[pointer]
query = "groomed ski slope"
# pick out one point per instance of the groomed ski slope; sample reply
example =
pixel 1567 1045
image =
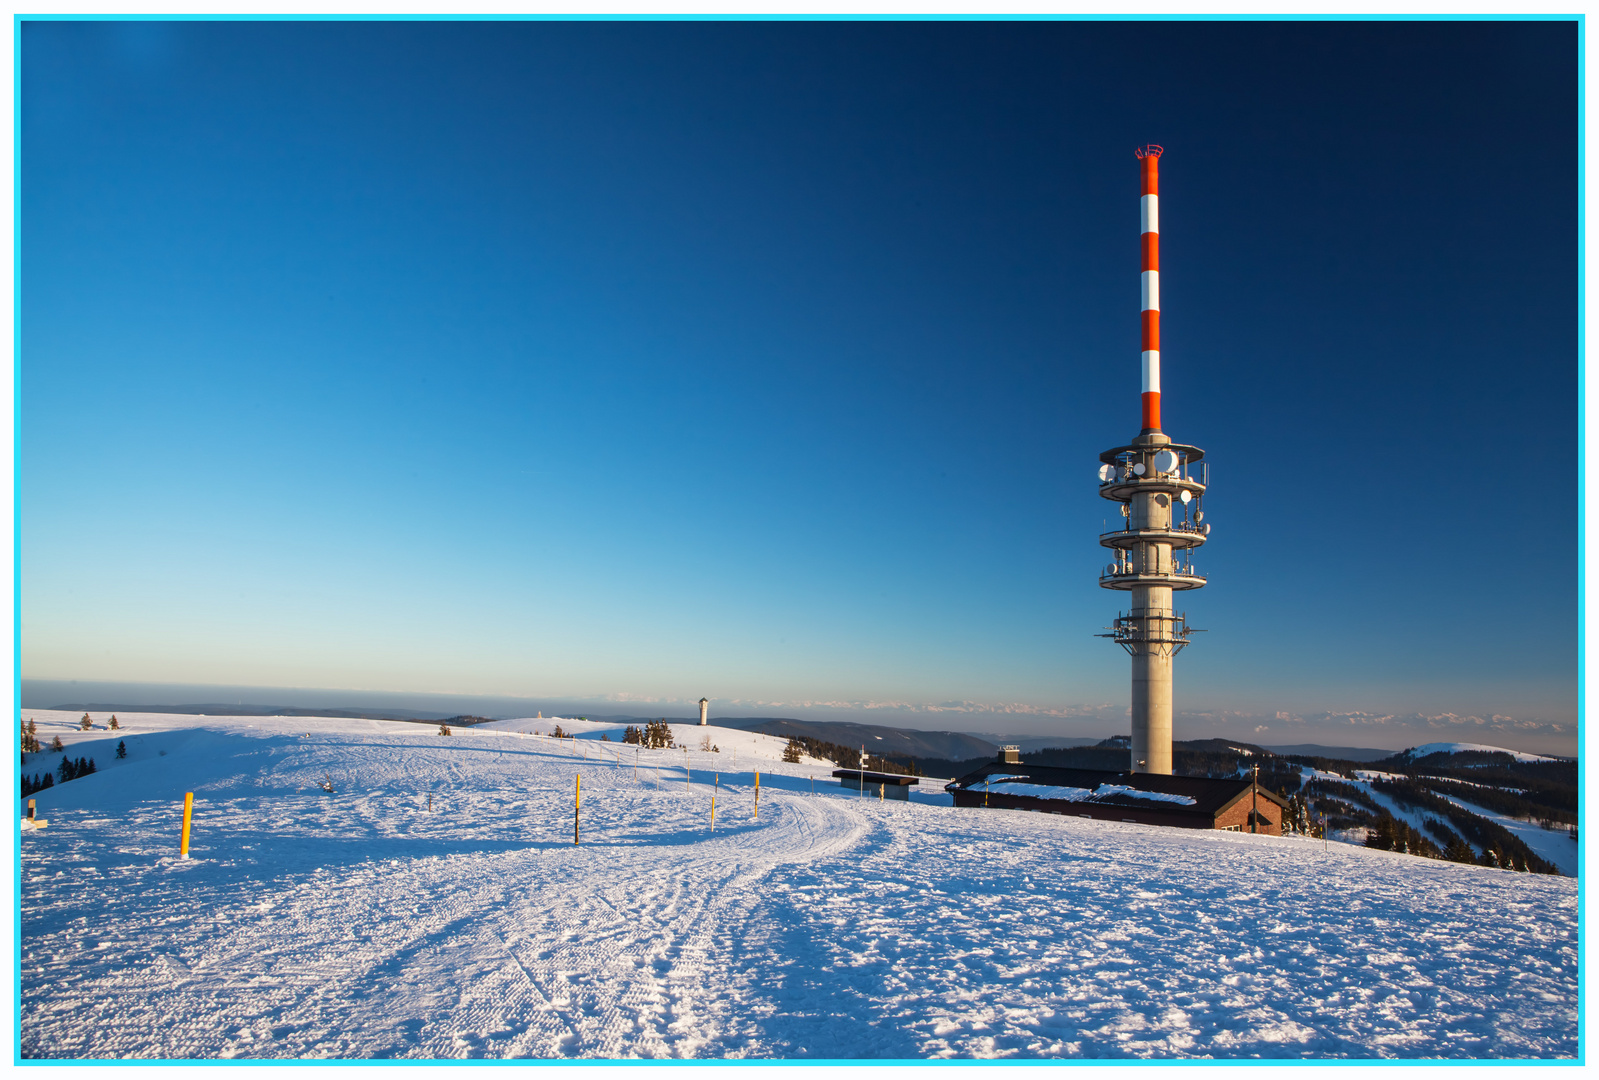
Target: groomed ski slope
pixel 359 925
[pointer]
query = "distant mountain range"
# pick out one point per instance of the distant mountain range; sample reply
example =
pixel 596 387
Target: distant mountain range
pixel 886 741
pixel 230 709
pixel 1342 753
pixel 952 746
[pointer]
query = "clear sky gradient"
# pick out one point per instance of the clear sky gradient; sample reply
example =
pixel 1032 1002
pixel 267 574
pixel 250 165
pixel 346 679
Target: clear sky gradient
pixel 770 362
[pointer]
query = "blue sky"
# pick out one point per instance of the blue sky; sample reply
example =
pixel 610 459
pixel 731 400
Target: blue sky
pixel 635 362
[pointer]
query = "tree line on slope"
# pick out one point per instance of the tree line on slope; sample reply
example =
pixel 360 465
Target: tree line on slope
pixel 1500 847
pixel 849 757
pixel 1538 785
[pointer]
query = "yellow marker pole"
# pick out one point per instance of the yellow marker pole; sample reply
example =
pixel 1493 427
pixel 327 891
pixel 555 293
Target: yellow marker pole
pixel 188 812
pixel 757 793
pixel 880 788
pixel 577 808
pixel 30 809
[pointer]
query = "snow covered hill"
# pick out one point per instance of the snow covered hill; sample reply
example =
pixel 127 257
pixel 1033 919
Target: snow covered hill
pixel 361 924
pixel 1428 749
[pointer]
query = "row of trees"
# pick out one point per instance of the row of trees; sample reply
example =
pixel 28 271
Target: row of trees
pixel 72 768
pixel 31 744
pixel 655 735
pixel 848 757
pixel 1391 834
pixel 1500 847
pixel 1510 802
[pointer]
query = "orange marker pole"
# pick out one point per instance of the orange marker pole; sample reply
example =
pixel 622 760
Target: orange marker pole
pixel 188 813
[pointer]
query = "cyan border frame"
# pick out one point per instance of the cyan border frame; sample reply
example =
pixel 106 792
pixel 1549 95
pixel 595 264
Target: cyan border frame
pixel 1582 481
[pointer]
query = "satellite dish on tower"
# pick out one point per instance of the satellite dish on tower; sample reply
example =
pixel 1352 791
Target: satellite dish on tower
pixel 1107 473
pixel 1165 461
pixel 1138 468
pixel 1187 497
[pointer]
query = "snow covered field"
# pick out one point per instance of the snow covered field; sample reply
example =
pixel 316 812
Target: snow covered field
pixel 360 925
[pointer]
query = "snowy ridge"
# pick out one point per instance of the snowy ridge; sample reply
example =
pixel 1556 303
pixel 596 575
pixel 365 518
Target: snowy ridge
pixel 832 925
pixel 1470 748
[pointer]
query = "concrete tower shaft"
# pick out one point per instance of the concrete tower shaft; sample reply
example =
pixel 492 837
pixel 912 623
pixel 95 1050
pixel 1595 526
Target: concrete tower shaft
pixel 1160 486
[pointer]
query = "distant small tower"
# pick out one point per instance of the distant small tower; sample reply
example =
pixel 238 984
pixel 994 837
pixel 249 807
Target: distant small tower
pixel 703 703
pixel 1161 487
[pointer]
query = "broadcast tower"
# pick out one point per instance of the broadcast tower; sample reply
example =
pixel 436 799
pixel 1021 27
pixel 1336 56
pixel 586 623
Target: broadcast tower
pixel 1161 493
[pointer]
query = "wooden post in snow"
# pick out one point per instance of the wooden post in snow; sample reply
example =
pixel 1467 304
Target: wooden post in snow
pixel 188 813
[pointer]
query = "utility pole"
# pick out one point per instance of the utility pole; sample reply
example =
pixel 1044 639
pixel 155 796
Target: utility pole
pixel 1254 801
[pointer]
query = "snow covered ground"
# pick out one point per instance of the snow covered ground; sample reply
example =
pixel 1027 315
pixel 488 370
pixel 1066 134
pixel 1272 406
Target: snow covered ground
pixel 833 925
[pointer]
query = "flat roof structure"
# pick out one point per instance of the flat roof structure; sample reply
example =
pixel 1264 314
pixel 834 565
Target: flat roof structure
pixel 886 785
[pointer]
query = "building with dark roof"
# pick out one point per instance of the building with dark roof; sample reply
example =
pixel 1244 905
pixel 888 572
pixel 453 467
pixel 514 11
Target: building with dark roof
pixel 882 785
pixel 1182 802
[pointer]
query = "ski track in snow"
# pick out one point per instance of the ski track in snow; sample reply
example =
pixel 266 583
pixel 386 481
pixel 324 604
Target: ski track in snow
pixel 358 925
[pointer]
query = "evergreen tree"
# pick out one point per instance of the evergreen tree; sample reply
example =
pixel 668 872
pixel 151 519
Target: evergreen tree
pixel 57 745
pixel 1382 837
pixel 85 723
pixel 122 749
pixel 444 729
pixel 791 752
pixel 632 736
pixel 114 724
pixel 86 767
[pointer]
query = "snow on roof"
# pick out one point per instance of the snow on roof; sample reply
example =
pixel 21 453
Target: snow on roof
pixel 1470 748
pixel 1015 785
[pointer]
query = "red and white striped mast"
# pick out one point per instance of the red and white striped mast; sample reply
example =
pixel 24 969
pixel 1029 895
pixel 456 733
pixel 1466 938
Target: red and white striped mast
pixel 1149 243
pixel 1161 493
